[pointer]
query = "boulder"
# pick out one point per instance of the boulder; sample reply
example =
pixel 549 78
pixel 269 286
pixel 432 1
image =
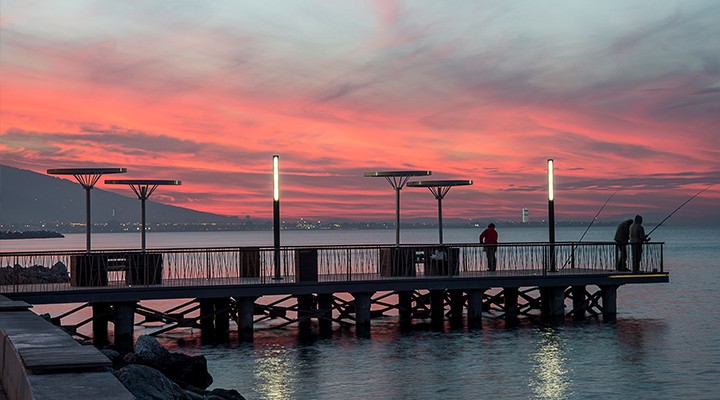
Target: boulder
pixel 181 368
pixel 224 394
pixel 149 384
pixel 149 351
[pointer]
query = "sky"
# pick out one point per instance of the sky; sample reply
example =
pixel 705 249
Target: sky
pixel 624 96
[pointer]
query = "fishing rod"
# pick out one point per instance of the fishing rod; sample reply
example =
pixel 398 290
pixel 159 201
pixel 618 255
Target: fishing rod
pixel 596 215
pixel 679 207
pixel 591 223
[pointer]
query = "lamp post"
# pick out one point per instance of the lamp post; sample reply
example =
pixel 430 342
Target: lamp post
pixel 276 213
pixel 143 189
pixel 551 210
pixel 439 189
pixel 397 180
pixel 87 177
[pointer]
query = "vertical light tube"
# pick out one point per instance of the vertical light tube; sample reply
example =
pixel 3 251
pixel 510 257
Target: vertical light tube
pixel 276 213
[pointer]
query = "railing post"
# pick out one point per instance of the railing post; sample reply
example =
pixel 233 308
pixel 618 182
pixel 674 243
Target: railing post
pixel 349 265
pixel 572 256
pixel 662 259
pixel 207 263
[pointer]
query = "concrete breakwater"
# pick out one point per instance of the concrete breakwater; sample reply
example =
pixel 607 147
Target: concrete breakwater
pixel 39 360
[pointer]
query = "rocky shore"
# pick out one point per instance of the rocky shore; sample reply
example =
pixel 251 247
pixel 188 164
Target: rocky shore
pixel 152 372
pixel 9 235
pixel 17 274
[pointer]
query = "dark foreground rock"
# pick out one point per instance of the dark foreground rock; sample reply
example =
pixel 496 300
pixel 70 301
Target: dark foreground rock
pixel 149 384
pixel 154 373
pixel 181 368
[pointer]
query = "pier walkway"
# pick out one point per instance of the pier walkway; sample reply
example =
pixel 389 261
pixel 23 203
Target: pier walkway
pixel 346 285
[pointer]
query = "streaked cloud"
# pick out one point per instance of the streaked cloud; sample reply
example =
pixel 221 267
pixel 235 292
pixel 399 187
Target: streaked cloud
pixel 623 96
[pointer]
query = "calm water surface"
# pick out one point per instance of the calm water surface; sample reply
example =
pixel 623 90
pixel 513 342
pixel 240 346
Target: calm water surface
pixel 664 343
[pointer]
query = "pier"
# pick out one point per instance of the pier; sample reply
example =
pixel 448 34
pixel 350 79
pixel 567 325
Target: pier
pixel 324 287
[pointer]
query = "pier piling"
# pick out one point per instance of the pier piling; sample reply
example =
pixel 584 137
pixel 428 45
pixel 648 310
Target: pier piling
pixel 579 302
pixel 124 321
pixel 245 309
pixel 362 313
pixel 475 307
pixel 609 301
pixel 511 305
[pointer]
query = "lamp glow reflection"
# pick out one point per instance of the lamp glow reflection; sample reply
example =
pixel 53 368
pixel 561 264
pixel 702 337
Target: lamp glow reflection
pixel 276 213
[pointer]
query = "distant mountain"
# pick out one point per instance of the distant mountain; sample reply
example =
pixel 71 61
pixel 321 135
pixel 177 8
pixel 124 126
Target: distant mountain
pixel 30 198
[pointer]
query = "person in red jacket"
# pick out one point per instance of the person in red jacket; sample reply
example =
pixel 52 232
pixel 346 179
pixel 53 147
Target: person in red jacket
pixel 489 238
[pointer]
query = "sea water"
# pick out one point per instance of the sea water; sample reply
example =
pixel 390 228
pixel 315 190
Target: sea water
pixel 663 344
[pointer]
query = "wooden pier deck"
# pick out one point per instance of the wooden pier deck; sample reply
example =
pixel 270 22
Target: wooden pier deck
pixel 423 281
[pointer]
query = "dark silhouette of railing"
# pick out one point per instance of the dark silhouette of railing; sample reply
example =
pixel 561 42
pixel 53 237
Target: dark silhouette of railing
pixel 67 270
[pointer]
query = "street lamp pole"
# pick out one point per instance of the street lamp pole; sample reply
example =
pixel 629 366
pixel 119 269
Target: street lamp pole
pixel 276 213
pixel 551 210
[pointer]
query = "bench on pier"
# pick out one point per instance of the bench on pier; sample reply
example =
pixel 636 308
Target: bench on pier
pixel 436 260
pixel 140 268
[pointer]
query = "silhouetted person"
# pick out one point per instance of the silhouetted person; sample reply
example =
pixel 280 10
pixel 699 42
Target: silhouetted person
pixel 489 238
pixel 622 236
pixel 637 238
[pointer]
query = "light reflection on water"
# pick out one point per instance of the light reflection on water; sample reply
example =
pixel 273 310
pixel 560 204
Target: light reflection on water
pixel 550 379
pixel 591 359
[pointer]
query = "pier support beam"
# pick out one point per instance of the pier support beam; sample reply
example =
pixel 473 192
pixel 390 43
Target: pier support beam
pixel 437 310
pixel 553 302
pixel 457 304
pixel 325 308
pixel 222 319
pixel 579 302
pixel 215 319
pixel 102 314
pixel 245 312
pixel 207 319
pixel 124 325
pixel 305 311
pixel 609 301
pixel 362 313
pixel 405 308
pixel 475 307
pixel 511 305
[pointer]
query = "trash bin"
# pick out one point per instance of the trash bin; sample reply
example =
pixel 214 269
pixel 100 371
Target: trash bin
pixel 88 270
pixel 144 268
pixel 306 265
pixel 249 262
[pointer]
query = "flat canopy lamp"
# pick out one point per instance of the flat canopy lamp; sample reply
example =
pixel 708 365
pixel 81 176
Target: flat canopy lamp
pixel 397 180
pixel 87 177
pixel 143 188
pixel 439 189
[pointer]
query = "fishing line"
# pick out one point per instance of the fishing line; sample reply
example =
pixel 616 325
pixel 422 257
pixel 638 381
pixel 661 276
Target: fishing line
pixel 679 207
pixel 591 224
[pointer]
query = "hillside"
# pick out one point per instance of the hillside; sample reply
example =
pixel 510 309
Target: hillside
pixel 32 198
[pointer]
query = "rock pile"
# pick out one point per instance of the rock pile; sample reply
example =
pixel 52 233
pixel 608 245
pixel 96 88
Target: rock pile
pixel 18 274
pixel 153 372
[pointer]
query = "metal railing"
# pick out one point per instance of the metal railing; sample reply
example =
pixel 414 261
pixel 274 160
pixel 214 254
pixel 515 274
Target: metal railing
pixel 55 271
